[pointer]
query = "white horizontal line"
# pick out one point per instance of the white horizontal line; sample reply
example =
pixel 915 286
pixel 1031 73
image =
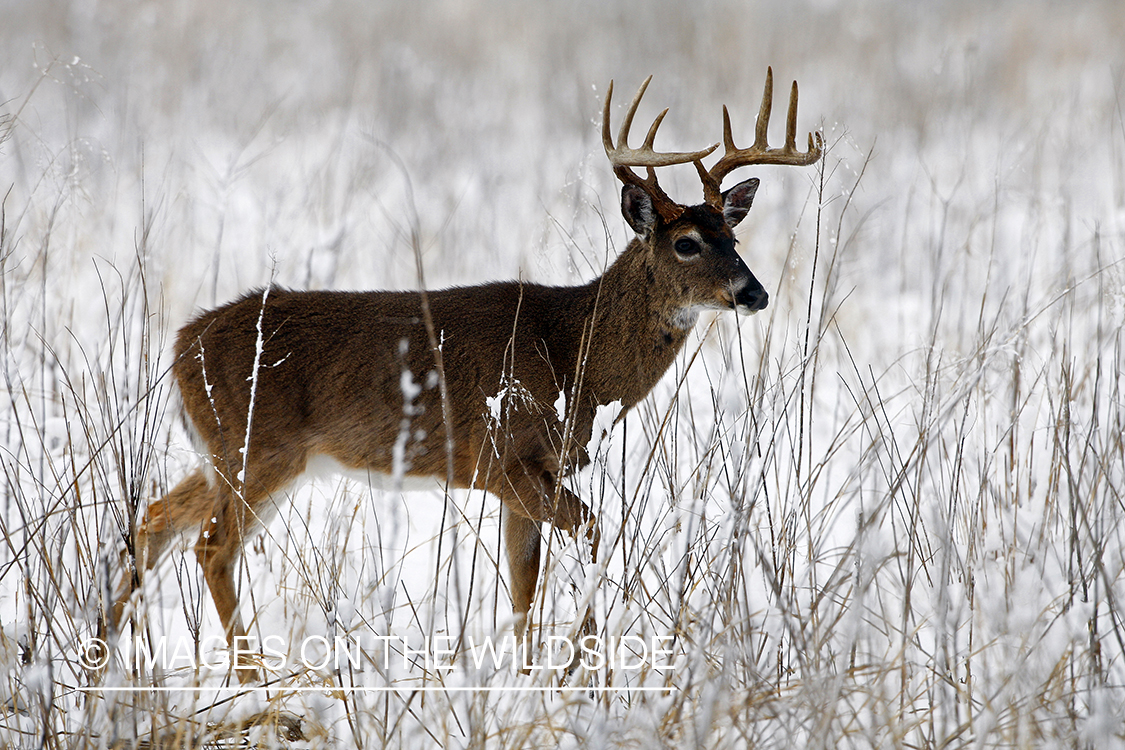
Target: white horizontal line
pixel 384 689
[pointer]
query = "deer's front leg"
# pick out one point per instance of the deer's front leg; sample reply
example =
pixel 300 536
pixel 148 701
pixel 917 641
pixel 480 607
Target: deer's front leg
pixel 574 516
pixel 532 498
pixel 533 493
pixel 523 541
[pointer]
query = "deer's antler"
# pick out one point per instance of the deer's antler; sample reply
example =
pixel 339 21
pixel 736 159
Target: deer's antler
pixel 623 158
pixel 760 152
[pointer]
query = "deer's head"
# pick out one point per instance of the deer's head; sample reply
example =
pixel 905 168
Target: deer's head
pixel 692 248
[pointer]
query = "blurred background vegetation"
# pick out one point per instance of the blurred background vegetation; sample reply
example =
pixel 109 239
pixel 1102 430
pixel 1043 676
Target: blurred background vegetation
pixel 924 429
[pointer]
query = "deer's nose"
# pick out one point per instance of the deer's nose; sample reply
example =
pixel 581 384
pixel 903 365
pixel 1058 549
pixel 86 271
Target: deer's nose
pixel 751 297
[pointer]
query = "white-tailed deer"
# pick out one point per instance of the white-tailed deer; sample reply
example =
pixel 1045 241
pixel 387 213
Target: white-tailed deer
pixel 399 382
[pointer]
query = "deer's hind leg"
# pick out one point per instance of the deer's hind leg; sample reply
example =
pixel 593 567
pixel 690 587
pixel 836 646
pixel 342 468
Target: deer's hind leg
pixel 223 534
pixel 217 550
pixel 182 509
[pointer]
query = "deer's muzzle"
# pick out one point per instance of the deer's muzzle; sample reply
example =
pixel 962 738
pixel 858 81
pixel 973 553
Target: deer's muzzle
pixel 751 298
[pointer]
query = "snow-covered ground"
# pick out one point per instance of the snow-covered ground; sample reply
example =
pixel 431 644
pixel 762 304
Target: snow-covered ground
pixel 885 512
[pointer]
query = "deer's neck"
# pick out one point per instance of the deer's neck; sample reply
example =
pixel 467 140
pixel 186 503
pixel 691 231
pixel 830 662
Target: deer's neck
pixel 637 329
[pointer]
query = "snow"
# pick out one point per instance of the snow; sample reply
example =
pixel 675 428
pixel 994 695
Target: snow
pixel 882 512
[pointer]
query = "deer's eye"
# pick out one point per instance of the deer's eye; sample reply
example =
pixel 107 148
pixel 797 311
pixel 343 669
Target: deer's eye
pixel 686 246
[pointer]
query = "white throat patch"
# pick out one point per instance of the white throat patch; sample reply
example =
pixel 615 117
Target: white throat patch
pixel 684 318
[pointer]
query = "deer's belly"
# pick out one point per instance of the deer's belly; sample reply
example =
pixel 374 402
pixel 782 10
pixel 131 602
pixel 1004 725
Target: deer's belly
pixel 321 466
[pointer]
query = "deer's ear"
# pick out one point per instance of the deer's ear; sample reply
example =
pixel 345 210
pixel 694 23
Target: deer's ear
pixel 638 210
pixel 737 200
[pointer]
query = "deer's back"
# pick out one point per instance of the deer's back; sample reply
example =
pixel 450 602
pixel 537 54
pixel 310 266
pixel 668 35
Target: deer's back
pixel 349 374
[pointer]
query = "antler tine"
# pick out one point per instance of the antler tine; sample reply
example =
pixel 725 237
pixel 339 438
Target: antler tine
pixel 607 139
pixel 627 123
pixel 728 139
pixel 651 136
pixel 791 121
pixel 761 125
pixel 760 152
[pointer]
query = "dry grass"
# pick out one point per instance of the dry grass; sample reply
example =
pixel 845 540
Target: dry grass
pixel 885 513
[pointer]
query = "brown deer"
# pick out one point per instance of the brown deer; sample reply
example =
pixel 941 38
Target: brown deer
pixel 399 383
